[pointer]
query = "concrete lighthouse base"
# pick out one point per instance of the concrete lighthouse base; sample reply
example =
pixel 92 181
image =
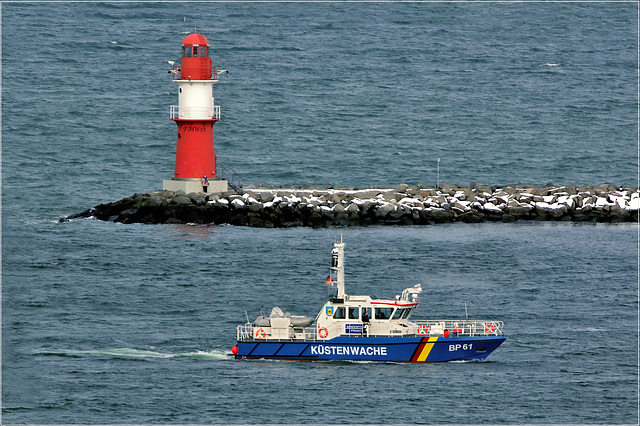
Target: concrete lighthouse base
pixel 194 185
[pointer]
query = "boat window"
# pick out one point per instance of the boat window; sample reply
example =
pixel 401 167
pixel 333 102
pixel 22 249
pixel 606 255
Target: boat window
pixel 383 313
pixel 188 49
pixel 399 313
pixel 406 313
pixel 195 51
pixel 368 311
pixel 354 313
pixel 340 313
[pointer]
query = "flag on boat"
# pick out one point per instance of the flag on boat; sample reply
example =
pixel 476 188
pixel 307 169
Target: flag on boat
pixel 329 280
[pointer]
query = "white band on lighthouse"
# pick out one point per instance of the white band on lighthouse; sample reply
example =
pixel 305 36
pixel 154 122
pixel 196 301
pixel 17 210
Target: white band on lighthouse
pixel 195 100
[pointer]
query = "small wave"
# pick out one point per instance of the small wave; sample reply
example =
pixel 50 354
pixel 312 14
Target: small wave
pixel 136 353
pixel 552 65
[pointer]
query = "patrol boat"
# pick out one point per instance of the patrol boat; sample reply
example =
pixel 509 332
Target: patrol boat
pixel 359 328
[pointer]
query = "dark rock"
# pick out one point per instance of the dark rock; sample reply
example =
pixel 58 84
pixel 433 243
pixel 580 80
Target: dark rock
pixel 182 200
pixel 198 200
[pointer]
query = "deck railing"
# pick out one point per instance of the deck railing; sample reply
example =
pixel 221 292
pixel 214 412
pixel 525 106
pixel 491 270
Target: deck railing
pixel 424 328
pixel 467 327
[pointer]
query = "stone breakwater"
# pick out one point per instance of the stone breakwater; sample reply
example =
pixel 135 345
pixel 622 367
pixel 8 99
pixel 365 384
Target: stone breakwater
pixel 402 205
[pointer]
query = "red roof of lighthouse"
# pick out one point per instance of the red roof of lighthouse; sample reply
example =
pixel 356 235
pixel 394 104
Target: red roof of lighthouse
pixel 198 39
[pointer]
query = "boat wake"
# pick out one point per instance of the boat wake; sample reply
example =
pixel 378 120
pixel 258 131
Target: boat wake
pixel 136 353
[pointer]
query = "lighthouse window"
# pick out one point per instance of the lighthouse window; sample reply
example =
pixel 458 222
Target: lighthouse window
pixel 340 313
pixel 182 51
pixel 188 48
pixel 354 313
pixel 195 51
pixel 383 313
pixel 203 52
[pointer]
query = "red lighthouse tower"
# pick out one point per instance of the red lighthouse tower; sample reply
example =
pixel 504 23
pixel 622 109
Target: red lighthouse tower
pixel 195 115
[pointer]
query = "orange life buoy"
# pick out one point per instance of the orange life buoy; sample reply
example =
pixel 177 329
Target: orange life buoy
pixel 260 334
pixel 490 328
pixel 323 332
pixel 423 329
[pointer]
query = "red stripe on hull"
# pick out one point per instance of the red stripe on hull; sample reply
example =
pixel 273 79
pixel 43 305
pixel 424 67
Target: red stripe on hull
pixel 418 351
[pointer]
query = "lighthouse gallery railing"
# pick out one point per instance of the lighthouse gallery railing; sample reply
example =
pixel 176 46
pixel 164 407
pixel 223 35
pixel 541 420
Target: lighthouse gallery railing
pixel 194 113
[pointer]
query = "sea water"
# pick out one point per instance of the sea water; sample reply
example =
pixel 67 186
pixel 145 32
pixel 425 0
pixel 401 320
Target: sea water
pixel 112 323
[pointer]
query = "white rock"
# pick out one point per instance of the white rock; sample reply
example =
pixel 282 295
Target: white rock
pixel 410 202
pixel 505 198
pixel 490 207
pixel 566 200
pixel 352 208
pixel 542 205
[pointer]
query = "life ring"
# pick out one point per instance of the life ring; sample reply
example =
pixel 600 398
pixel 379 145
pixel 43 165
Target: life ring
pixel 260 334
pixel 490 328
pixel 423 329
pixel 323 332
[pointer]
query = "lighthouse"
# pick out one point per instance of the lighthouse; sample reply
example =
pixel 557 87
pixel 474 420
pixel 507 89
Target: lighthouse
pixel 195 115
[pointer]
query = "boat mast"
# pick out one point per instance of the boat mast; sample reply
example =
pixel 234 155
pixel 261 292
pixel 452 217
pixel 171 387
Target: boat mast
pixel 337 266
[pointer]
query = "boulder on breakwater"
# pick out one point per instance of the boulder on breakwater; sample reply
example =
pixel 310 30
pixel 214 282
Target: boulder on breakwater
pixel 402 205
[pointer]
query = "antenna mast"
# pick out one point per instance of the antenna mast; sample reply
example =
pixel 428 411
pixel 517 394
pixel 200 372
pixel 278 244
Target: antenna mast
pixel 337 266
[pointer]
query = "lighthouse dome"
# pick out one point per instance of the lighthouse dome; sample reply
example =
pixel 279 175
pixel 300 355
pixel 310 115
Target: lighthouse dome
pixel 195 58
pixel 198 39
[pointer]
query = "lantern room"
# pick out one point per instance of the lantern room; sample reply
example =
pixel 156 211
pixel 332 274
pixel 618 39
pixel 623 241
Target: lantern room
pixel 195 61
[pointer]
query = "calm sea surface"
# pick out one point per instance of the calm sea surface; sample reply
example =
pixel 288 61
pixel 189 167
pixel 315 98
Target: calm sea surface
pixel 112 323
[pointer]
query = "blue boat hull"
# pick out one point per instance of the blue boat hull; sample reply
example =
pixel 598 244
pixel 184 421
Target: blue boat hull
pixel 389 349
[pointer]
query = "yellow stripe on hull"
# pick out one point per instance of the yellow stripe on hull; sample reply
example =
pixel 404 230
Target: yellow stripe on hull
pixel 427 348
